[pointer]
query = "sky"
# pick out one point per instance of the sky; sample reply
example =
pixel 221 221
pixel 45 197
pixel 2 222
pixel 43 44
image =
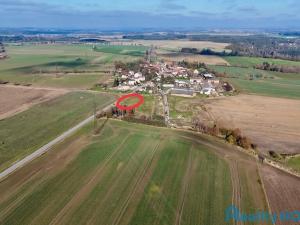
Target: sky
pixel 151 14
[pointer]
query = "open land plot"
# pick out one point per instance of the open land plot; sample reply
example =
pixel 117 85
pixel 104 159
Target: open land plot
pixel 272 123
pixel 131 50
pixel 294 162
pixel 14 99
pixel 41 64
pixel 253 61
pixel 148 108
pixel 263 82
pixel 178 57
pixel 178 44
pixel 130 174
pixel 25 132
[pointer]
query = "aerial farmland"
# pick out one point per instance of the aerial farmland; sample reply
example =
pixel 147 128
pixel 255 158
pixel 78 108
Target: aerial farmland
pixel 212 131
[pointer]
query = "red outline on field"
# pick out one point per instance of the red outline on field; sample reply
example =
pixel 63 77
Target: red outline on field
pixel 130 107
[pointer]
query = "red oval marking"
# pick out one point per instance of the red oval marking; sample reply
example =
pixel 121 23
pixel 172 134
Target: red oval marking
pixel 122 107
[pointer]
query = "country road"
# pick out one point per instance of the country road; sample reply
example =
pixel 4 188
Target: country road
pixel 47 147
pixel 166 107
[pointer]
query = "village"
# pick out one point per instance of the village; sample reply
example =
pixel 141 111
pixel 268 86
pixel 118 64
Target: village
pixel 169 77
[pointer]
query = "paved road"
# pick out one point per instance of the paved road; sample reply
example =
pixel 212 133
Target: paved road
pixel 46 147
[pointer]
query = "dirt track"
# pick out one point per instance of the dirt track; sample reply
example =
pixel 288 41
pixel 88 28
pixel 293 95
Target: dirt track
pixel 283 191
pixel 17 99
pixel 272 123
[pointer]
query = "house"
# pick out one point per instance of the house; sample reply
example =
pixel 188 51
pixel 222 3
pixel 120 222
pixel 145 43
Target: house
pixel 183 91
pixel 196 72
pixel 208 76
pixel 140 79
pixel 181 83
pixel 131 82
pixel 150 84
pixel 196 80
pixel 123 88
pixel 138 75
pixel 207 91
pixel 215 81
pixel 123 77
pixel 168 85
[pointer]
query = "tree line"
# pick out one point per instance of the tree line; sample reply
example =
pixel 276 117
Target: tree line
pixel 278 68
pixel 2 51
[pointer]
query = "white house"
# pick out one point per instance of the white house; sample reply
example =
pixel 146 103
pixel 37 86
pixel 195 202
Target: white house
pixel 168 85
pixel 138 75
pixel 141 79
pixel 207 91
pixel 208 75
pixel 131 82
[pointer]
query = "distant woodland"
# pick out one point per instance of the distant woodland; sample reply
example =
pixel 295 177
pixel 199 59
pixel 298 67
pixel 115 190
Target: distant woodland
pixel 248 45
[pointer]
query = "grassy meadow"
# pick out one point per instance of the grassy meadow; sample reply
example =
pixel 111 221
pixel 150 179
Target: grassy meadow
pixel 294 163
pixel 250 80
pixel 131 50
pixel 27 131
pixel 70 66
pixel 253 61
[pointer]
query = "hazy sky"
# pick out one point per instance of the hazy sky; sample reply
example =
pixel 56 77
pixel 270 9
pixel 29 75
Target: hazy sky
pixel 130 14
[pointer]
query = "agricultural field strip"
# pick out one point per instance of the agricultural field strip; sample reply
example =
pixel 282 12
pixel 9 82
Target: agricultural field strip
pixel 185 184
pixel 136 185
pixel 134 171
pixel 32 178
pixel 114 186
pixel 46 147
pixel 236 187
pixel 233 164
pixel 90 184
pixel 19 200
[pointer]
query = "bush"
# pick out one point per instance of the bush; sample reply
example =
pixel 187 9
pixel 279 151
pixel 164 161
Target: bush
pixel 274 155
pixel 243 142
pixel 144 121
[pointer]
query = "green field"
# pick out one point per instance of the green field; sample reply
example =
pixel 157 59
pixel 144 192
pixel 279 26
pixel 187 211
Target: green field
pixel 253 61
pixel 128 174
pixel 134 183
pixel 57 65
pixel 131 50
pixel 26 131
pixel 147 108
pixel 175 103
pixel 294 163
pixel 264 82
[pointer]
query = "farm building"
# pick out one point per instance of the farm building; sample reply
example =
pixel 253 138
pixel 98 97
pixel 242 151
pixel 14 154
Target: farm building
pixel 207 91
pixel 183 92
pixel 208 76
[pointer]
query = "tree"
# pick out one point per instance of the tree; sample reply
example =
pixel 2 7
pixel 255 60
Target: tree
pixel 116 82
